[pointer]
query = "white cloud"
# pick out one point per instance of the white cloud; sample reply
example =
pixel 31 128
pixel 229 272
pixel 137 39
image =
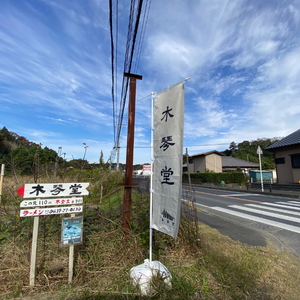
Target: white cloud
pixel 242 57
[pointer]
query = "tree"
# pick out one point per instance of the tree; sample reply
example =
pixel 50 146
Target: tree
pixel 238 169
pixel 7 134
pixel 101 161
pixel 233 146
pixel 2 143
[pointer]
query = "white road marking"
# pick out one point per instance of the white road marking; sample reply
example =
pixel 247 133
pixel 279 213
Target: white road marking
pixel 258 219
pixel 291 204
pixel 280 205
pixel 296 202
pixel 269 214
pixel 276 209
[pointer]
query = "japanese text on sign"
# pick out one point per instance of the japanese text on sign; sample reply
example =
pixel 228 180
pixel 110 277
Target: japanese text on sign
pixel 53 190
pixel 50 211
pixel 167 165
pixel 50 202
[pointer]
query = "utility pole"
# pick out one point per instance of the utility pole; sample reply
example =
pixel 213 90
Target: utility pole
pixel 129 154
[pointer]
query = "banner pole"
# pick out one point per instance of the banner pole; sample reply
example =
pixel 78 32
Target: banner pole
pixel 151 180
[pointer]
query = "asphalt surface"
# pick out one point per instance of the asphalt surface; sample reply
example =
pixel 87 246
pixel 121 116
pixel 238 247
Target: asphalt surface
pixel 251 218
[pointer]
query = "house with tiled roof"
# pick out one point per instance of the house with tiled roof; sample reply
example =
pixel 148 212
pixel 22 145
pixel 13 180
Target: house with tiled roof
pixel 230 163
pixel 205 162
pixel 287 158
pixel 214 161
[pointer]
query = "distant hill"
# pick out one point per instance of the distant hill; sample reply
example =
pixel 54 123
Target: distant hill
pixel 22 156
pixel 248 151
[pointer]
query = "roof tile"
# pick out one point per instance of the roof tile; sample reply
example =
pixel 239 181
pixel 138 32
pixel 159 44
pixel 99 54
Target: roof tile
pixel 290 140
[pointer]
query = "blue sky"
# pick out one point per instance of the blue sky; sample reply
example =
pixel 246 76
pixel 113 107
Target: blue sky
pixel 243 58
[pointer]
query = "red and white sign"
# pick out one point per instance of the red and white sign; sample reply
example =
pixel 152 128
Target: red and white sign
pixel 41 190
pixel 51 202
pixel 146 169
pixel 50 211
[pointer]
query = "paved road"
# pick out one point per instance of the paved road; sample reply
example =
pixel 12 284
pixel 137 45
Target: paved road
pixel 251 218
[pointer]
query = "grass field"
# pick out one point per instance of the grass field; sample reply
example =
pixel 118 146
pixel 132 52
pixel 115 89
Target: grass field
pixel 218 268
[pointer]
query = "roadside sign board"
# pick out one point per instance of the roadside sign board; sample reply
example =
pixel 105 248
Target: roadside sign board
pixel 50 211
pixel 51 202
pixel 39 194
pixel 146 169
pixel 71 231
pixel 38 190
pixel 259 151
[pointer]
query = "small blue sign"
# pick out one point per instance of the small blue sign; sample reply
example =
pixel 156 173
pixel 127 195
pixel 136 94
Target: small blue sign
pixel 71 232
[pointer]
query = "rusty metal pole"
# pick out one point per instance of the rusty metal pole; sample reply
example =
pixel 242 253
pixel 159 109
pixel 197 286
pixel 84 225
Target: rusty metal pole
pixel 129 155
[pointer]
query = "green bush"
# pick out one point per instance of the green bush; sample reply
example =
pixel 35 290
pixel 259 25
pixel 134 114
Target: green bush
pixel 209 177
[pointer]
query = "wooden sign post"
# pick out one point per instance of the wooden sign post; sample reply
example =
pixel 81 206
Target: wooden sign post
pixel 34 250
pixel 72 190
pixel 71 259
pixel 1 181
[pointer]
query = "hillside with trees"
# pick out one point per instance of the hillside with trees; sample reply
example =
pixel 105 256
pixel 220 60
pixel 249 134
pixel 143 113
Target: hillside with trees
pixel 22 157
pixel 247 150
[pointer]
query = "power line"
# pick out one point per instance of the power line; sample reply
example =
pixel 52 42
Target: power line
pixel 128 58
pixel 142 34
pixel 116 68
pixel 112 62
pixel 135 15
pixel 186 146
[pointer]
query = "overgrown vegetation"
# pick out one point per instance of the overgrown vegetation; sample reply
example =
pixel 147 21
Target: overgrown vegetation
pixel 219 268
pixel 22 157
pixel 211 177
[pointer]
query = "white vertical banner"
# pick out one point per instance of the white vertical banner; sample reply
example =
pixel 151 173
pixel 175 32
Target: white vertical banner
pixel 167 166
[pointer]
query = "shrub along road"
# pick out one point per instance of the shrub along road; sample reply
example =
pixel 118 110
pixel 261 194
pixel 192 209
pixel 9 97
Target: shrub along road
pixel 251 218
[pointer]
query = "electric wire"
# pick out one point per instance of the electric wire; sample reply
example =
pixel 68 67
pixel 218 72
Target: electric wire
pixel 125 79
pixel 128 58
pixel 186 146
pixel 134 45
pixel 116 59
pixel 142 35
pixel 112 62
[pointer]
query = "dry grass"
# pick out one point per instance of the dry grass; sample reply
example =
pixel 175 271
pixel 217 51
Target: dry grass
pixel 244 272
pixel 220 269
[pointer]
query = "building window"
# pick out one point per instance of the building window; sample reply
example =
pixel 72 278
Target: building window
pixel 279 160
pixel 296 160
pixel 190 160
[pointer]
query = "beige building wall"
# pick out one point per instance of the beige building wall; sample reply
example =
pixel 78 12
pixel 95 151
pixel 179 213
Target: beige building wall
pixel 199 163
pixel 296 174
pixel 214 163
pixel 285 172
